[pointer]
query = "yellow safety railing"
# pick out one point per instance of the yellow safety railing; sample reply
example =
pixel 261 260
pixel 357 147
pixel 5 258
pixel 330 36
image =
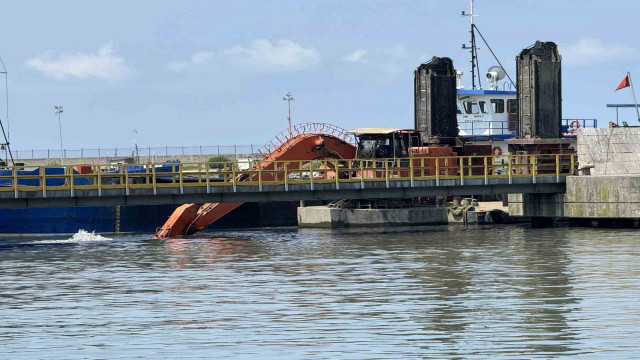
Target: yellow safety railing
pixel 290 172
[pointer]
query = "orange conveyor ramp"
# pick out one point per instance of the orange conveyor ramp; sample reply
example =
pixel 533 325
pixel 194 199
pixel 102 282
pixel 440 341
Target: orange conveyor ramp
pixel 190 218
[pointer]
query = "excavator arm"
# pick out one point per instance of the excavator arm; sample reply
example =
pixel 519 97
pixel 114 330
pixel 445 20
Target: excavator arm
pixel 190 218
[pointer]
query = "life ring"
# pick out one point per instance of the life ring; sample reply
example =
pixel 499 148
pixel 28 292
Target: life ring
pixel 496 151
pixel 575 125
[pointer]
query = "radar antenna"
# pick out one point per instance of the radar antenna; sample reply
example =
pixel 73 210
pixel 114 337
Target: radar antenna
pixel 495 74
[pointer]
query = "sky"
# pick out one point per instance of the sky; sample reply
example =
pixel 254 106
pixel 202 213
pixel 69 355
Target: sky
pixel 215 72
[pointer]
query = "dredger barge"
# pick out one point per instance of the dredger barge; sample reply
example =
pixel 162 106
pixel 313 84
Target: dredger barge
pixel 433 147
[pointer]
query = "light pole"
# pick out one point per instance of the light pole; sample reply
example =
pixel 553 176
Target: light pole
pixel 59 111
pixel 288 99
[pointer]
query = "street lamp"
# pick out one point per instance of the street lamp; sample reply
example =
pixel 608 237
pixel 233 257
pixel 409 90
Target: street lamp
pixel 58 111
pixel 288 99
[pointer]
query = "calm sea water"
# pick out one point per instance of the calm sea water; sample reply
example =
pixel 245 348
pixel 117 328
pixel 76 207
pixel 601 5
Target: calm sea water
pixel 437 292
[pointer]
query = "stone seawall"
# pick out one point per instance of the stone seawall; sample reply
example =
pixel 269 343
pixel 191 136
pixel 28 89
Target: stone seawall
pixel 613 151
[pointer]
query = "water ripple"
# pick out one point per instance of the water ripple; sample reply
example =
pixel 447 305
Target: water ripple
pixel 437 292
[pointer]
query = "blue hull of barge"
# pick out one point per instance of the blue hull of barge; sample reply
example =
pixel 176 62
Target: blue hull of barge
pixel 142 219
pixel 71 219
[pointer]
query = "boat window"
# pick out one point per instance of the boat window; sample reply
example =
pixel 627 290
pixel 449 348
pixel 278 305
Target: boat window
pixel 512 105
pixel 471 107
pixel 497 105
pixel 483 107
pixel 460 108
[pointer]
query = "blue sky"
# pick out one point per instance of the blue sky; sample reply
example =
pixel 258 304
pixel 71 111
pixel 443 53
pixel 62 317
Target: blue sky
pixel 214 72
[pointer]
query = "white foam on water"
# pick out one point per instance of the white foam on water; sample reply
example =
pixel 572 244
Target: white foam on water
pixel 82 236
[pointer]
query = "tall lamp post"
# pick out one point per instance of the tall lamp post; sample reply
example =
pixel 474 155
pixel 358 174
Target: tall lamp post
pixel 288 99
pixel 58 111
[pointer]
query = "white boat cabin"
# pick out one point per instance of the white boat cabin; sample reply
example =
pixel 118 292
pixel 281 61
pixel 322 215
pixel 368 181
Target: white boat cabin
pixel 487 113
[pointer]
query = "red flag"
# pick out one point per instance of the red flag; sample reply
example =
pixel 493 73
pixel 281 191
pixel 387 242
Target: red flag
pixel 624 83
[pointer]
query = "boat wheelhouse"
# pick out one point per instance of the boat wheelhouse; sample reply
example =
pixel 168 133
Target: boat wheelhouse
pixel 487 114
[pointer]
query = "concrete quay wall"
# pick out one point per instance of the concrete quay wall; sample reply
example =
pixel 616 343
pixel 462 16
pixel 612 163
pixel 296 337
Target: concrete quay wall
pixel 602 197
pixel 586 197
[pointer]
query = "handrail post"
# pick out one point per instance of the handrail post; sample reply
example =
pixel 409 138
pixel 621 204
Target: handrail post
pixel 461 170
pixel 386 173
pixel 207 174
pixel 180 177
pixel 286 177
pixel 260 175
pixel 14 173
pixel 44 182
pixel 486 171
pixel 99 171
pixel 573 164
pixel 361 174
pixel 310 173
pixel 70 169
pixel 437 170
pixel 335 167
pixel 153 179
pixel 533 168
pixel 126 179
pixel 233 176
pixel 557 167
pixel 509 160
pixel 411 171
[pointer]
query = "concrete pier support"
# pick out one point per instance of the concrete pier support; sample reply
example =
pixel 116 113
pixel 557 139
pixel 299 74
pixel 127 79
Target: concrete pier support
pixel 611 201
pixel 536 205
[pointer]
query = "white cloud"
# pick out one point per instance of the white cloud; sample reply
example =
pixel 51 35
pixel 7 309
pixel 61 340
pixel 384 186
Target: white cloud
pixel 388 61
pixel 283 55
pixel 199 58
pixel 104 65
pixel 590 51
pixel 391 68
pixel 357 56
pixel 203 57
pixel 398 51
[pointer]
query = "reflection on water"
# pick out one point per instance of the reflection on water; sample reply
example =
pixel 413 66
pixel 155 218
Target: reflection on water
pixel 437 292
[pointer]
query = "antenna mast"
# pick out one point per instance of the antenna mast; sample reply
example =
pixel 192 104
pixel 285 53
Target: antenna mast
pixel 473 49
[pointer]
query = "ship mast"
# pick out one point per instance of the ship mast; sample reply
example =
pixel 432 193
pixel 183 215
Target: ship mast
pixel 473 49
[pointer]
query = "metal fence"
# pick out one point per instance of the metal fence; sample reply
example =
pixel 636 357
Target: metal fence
pixel 142 151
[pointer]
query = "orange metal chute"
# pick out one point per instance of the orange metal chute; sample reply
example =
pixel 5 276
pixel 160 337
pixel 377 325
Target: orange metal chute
pixel 190 218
